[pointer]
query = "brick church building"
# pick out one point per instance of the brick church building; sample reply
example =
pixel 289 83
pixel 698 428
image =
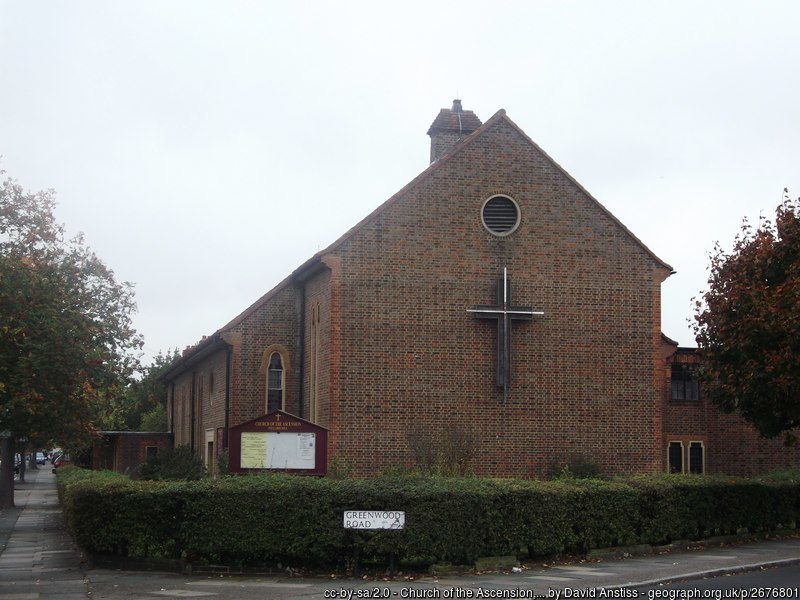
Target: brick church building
pixel 492 303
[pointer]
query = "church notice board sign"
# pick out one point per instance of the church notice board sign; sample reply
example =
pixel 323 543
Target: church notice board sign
pixel 278 441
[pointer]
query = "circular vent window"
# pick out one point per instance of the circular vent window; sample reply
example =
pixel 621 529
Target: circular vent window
pixel 500 215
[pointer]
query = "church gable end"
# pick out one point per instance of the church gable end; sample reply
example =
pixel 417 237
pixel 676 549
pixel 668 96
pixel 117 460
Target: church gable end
pixel 412 269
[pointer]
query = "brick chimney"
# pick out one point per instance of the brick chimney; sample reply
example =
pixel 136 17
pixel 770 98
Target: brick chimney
pixel 450 127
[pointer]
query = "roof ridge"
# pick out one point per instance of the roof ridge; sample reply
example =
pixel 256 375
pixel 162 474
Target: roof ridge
pixel 588 194
pixel 433 167
pixel 500 115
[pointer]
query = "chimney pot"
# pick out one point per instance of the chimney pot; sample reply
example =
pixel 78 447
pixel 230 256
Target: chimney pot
pixel 450 127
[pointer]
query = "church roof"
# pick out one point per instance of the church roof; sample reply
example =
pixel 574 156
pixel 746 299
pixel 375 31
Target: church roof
pixel 500 115
pixel 447 118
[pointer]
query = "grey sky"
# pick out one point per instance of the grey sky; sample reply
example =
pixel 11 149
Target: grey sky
pixel 206 149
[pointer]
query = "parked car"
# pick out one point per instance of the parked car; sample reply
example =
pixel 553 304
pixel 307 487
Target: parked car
pixel 40 458
pixel 61 459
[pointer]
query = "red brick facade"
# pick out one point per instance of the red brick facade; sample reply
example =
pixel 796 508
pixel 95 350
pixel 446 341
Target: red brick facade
pixel 377 344
pixel 730 445
pixel 123 451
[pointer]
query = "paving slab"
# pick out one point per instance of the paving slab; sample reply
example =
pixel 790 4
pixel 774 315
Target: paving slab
pixel 37 557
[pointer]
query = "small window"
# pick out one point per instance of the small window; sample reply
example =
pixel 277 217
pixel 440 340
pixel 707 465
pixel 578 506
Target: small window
pixel 675 457
pixel 500 215
pixel 275 383
pixel 151 452
pixel 696 458
pixel 685 383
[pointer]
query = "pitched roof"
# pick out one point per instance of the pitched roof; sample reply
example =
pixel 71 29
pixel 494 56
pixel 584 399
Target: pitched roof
pixel 499 116
pixel 445 118
pixel 630 234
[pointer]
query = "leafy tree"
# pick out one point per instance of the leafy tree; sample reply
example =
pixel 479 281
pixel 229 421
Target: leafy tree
pixel 145 403
pixel 67 345
pixel 747 324
pixel 155 419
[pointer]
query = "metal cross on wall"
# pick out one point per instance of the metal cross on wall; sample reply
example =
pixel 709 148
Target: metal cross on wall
pixel 504 313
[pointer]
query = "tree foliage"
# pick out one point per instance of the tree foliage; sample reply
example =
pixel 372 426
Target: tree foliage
pixel 748 324
pixel 145 403
pixel 67 344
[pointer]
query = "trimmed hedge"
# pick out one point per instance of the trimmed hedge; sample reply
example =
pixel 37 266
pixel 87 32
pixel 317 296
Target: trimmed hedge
pixel 298 521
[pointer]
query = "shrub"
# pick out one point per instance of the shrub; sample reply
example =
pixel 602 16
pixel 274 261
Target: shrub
pixel 271 519
pixel 446 450
pixel 174 463
pixel 222 464
pixel 577 467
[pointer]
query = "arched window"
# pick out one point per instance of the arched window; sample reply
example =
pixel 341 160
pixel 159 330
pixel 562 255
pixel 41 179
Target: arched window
pixel 275 383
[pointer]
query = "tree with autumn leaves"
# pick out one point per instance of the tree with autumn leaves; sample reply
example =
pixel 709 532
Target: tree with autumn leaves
pixel 67 345
pixel 747 324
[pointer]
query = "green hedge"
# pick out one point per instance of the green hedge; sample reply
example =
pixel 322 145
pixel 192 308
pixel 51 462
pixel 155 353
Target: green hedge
pixel 298 520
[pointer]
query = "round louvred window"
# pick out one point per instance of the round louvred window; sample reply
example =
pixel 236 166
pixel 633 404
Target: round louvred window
pixel 500 215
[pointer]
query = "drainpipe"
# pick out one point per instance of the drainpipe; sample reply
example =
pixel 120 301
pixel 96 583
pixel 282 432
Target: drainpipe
pixel 228 368
pixel 172 410
pixel 301 339
pixel 194 376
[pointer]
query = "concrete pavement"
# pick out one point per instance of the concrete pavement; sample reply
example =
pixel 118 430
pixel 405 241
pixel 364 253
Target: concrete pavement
pixel 39 560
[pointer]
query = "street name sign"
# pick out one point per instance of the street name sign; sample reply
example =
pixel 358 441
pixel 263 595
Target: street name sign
pixel 374 519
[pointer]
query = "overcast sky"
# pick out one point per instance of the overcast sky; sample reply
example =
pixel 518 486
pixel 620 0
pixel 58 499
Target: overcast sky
pixel 207 149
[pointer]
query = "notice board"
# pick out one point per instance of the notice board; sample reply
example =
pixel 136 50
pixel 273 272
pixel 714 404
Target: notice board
pixel 278 450
pixel 278 441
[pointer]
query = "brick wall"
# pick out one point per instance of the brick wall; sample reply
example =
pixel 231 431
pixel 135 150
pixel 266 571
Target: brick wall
pixel 736 449
pixel 412 357
pixel 124 451
pixel 271 326
pixel 732 446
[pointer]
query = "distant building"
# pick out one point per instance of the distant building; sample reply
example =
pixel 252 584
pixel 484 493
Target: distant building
pixel 123 451
pixel 492 300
